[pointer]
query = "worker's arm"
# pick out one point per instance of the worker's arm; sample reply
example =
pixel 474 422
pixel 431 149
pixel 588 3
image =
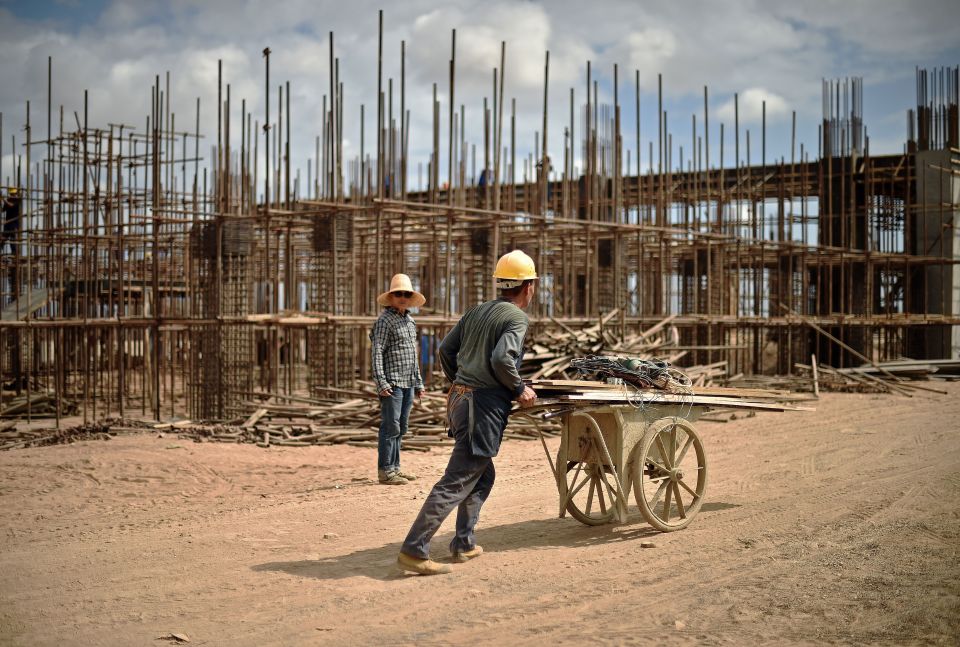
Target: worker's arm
pixel 503 360
pixel 416 354
pixel 378 341
pixel 448 349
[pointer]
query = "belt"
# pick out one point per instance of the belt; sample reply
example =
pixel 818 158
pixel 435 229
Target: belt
pixel 460 388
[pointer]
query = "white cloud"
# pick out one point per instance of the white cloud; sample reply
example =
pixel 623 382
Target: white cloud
pixel 775 51
pixel 649 50
pixel 481 28
pixel 751 105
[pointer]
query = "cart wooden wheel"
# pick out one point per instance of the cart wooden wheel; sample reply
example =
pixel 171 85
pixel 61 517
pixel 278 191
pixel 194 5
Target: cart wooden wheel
pixel 669 470
pixel 587 483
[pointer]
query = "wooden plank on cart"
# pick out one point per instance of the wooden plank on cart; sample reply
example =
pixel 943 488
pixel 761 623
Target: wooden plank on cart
pixel 659 397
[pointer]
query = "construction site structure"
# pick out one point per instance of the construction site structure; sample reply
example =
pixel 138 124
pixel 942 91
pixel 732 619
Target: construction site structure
pixel 139 280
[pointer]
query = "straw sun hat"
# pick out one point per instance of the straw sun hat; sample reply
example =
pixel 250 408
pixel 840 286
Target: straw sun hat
pixel 401 283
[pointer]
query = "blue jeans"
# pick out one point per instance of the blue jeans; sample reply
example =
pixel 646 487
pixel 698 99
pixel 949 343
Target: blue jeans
pixel 464 487
pixel 394 414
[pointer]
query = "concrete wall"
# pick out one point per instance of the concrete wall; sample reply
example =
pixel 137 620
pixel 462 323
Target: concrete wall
pixel 938 198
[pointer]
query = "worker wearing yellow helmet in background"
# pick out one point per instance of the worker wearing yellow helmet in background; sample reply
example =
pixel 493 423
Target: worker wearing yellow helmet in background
pixel 481 356
pixel 11 219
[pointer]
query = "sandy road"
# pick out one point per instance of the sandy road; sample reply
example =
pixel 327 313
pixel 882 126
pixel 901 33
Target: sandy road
pixel 837 526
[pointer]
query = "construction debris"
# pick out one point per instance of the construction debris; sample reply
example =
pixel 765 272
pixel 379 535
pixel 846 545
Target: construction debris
pixel 352 422
pixel 36 405
pixel 11 438
pixel 887 377
pixel 556 347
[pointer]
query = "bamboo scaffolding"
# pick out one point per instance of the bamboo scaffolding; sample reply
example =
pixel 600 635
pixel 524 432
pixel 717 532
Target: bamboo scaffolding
pixel 140 281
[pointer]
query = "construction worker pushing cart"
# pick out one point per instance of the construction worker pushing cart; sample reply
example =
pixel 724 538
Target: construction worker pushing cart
pixel 481 356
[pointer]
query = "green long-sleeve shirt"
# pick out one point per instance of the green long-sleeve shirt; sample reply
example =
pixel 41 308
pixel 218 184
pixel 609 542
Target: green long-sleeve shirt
pixel 483 349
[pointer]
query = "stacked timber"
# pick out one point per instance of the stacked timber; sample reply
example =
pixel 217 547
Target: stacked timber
pixel 568 394
pixel 707 374
pixel 12 438
pixel 36 405
pixel 552 349
pixel 792 383
pixel 885 377
pixel 296 421
pixel 909 369
pixel 288 421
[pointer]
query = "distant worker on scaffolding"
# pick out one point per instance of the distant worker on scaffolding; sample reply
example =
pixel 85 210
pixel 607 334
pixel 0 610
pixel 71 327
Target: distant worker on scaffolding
pixel 11 219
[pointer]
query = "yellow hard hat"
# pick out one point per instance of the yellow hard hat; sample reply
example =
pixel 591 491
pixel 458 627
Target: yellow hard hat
pixel 514 268
pixel 13 191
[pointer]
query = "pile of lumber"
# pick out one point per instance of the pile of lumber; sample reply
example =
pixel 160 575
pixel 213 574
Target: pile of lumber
pixel 891 375
pixel 886 377
pixel 551 350
pixel 707 374
pixel 286 421
pixel 354 419
pixel 789 383
pixel 41 404
pixel 11 438
pixel 910 369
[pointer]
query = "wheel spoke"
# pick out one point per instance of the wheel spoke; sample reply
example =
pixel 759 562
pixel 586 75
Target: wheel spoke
pixel 683 452
pixel 573 492
pixel 603 506
pixel 659 492
pixel 686 487
pixel 663 451
pixel 611 491
pixel 673 446
pixel 604 476
pixel 575 474
pixel 590 495
pixel 676 495
pixel 666 501
pixel 658 465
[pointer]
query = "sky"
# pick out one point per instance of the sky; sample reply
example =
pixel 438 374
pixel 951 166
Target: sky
pixel 777 51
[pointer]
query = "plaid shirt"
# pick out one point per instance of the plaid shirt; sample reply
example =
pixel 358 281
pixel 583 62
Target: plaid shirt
pixel 394 351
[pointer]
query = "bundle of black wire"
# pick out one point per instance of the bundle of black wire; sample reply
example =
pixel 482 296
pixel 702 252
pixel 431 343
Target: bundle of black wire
pixel 642 373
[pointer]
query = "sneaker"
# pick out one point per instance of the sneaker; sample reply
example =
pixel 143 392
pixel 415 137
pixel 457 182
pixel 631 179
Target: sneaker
pixel 467 555
pixel 405 475
pixel 421 566
pixel 390 478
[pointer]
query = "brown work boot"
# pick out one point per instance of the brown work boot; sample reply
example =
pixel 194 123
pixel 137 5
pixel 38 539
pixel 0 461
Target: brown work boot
pixel 406 475
pixel 467 555
pixel 421 566
pixel 390 478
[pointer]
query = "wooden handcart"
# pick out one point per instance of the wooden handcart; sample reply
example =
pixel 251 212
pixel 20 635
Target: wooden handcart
pixel 647 444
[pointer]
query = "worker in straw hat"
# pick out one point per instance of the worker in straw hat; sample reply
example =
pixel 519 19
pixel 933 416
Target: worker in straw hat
pixel 396 372
pixel 481 356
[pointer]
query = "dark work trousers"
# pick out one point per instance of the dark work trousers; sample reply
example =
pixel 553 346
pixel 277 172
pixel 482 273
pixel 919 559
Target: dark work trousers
pixel 465 485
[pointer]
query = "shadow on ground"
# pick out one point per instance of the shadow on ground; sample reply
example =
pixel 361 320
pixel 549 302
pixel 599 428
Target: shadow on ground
pixel 379 563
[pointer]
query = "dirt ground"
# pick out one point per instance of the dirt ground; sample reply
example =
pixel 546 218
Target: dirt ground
pixel 838 526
